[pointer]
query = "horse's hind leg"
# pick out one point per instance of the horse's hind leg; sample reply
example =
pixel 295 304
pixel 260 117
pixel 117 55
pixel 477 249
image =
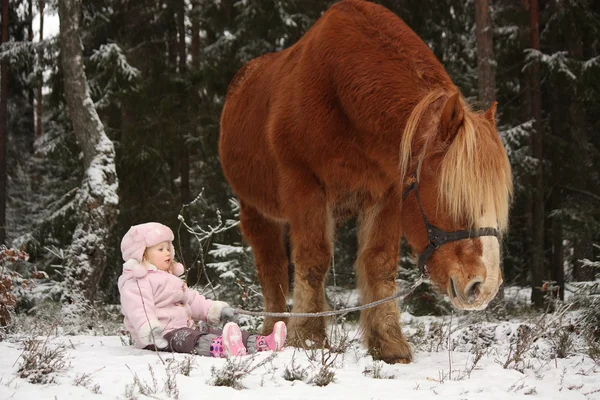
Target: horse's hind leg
pixel 266 237
pixel 376 265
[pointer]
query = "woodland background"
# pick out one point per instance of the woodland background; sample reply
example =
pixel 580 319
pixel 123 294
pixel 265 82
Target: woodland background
pixel 78 167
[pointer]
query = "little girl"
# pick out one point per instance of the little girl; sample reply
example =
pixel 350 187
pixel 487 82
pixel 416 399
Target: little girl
pixel 160 310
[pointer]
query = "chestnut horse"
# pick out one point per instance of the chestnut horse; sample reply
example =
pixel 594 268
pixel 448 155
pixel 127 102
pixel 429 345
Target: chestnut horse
pixel 359 118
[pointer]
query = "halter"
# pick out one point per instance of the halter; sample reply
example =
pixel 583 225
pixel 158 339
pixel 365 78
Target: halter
pixel 437 236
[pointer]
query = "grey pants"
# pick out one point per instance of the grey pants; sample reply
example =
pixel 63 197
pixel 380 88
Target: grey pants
pixel 197 341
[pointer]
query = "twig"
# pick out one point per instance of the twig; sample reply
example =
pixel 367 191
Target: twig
pixel 148 320
pixel 449 349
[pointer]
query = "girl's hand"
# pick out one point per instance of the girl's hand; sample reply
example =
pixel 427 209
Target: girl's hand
pixel 215 316
pixel 155 337
pixel 228 315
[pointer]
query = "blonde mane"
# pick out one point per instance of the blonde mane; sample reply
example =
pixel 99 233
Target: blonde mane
pixel 474 174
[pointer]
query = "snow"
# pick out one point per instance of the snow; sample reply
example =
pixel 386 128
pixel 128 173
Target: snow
pixel 592 62
pixel 558 61
pixel 112 54
pixel 103 365
pixel 51 23
pixel 102 169
pixel 224 250
pixel 106 361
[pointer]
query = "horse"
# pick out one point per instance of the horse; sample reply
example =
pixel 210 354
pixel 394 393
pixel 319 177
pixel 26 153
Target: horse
pixel 359 118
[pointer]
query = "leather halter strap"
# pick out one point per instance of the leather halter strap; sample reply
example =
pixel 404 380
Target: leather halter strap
pixel 437 236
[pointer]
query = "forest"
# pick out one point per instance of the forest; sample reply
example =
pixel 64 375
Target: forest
pixel 134 91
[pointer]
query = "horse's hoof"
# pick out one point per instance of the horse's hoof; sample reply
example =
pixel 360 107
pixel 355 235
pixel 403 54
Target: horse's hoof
pixel 306 339
pixel 396 353
pixel 397 360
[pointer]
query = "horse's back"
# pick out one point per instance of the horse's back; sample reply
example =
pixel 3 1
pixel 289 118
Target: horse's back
pixel 289 107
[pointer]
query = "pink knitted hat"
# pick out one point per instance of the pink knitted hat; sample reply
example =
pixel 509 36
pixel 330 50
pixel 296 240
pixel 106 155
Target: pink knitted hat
pixel 138 237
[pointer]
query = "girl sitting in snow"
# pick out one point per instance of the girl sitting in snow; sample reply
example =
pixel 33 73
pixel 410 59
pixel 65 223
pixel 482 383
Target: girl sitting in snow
pixel 160 310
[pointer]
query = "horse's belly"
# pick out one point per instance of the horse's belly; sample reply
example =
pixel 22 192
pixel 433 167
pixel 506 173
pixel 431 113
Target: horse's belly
pixel 346 205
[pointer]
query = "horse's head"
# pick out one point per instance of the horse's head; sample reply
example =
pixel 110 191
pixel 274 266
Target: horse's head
pixel 457 186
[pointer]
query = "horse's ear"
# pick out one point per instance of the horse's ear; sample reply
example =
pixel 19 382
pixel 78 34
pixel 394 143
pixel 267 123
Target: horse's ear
pixel 490 114
pixel 452 117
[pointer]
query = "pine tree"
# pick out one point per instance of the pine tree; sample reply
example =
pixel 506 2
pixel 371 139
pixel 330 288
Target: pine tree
pixel 96 200
pixel 3 124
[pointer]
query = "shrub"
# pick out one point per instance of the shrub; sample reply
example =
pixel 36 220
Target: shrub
pixel 9 281
pixel 40 362
pixel 234 370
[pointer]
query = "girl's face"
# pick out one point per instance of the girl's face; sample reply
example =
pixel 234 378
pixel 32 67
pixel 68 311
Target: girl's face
pixel 159 255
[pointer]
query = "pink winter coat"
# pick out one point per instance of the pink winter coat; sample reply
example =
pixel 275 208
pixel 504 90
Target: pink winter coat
pixel 157 299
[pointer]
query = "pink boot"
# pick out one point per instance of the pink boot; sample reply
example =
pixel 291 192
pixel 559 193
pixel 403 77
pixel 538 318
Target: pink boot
pixel 275 341
pixel 229 344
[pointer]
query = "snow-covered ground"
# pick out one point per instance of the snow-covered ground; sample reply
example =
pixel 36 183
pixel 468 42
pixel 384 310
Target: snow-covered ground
pixel 105 367
pixel 112 367
pixel 489 358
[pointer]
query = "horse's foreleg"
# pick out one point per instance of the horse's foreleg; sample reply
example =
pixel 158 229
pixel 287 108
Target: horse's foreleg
pixel 311 232
pixel 267 241
pixel 376 265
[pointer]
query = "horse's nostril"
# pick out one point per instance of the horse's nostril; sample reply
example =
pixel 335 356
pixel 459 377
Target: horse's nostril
pixel 473 291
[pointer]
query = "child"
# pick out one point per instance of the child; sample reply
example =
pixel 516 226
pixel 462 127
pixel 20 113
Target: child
pixel 160 310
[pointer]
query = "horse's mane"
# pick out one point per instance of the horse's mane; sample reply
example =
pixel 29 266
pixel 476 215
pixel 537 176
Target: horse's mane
pixel 474 175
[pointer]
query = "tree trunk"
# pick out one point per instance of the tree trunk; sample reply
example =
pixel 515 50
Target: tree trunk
pixel 576 265
pixel 538 266
pixel 97 196
pixel 195 18
pixel 184 154
pixel 3 125
pixel 172 43
pixel 30 90
pixel 195 101
pixel 558 259
pixel 184 158
pixel 180 11
pixel 39 78
pixel 486 80
pixel 486 63
pixel 526 235
pixel 559 124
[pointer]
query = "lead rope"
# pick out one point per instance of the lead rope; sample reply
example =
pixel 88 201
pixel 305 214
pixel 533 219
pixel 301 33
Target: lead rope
pixel 418 282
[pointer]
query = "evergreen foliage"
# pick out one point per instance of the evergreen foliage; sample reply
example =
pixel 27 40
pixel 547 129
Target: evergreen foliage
pixel 164 121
